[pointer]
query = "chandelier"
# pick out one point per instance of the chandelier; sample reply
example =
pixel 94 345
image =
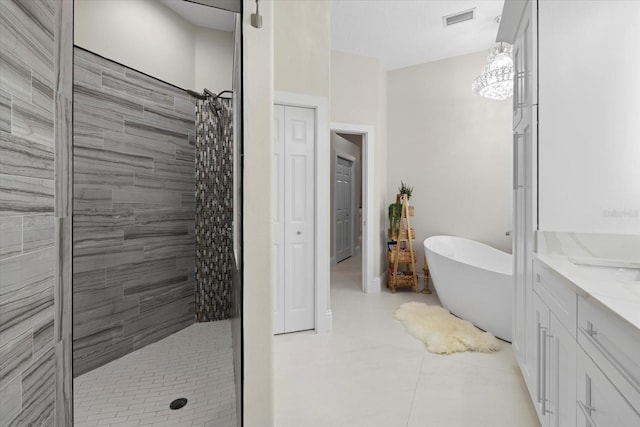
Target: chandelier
pixel 496 78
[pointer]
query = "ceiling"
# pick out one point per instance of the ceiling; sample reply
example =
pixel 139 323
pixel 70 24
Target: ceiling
pixel 202 16
pixel 402 33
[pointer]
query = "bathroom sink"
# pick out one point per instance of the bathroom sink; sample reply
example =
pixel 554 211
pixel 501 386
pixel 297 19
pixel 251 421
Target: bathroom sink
pixel 606 262
pixel 601 269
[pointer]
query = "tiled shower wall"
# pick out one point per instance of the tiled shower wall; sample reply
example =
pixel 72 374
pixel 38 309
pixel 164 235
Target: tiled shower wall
pixel 214 211
pixel 134 209
pixel 35 147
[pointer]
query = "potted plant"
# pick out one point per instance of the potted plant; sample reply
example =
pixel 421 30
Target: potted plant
pixel 408 190
pixel 405 189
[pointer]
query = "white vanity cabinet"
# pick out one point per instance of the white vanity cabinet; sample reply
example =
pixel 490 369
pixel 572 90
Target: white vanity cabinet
pixel 579 359
pixel 587 366
pixel 525 223
pixel 555 326
pixel 610 347
pixel 600 403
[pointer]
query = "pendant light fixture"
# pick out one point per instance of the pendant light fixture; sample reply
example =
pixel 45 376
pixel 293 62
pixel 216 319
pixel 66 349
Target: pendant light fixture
pixel 496 78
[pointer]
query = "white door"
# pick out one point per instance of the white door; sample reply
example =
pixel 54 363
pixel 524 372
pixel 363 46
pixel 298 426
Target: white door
pixel 343 202
pixel 294 219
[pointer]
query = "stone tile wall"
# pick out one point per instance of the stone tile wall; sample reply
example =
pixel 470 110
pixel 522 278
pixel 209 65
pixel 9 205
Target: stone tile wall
pixel 35 148
pixel 134 210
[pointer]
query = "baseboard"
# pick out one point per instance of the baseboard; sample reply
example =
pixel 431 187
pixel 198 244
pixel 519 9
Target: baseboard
pixel 325 323
pixel 357 251
pixel 332 261
pixel 377 284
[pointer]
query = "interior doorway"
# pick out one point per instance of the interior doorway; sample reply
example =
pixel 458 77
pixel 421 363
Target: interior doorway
pixel 357 141
pixel 346 196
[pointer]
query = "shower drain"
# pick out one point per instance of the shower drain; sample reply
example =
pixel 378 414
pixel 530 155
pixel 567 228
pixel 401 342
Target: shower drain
pixel 178 403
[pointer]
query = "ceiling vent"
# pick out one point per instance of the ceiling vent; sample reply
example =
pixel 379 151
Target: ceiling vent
pixel 459 17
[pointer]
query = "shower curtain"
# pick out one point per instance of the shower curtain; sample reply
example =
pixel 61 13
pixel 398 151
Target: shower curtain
pixel 214 211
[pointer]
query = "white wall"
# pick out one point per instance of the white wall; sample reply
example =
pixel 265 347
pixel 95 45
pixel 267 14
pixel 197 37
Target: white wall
pixel 351 145
pixel 589 151
pixel 149 37
pixel 257 304
pixel 454 148
pixel 359 96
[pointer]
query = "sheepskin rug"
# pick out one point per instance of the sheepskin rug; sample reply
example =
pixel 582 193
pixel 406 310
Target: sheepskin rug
pixel 442 332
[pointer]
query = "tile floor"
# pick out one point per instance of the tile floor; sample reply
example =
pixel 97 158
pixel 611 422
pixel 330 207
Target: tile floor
pixel 135 390
pixel 370 372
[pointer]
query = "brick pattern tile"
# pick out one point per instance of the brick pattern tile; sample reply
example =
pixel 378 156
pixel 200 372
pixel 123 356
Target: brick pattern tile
pixel 136 390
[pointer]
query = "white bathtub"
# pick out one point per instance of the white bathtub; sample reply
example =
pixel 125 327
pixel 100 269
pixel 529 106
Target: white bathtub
pixel 473 281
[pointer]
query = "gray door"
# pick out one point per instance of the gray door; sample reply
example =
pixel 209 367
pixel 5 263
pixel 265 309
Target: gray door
pixel 343 209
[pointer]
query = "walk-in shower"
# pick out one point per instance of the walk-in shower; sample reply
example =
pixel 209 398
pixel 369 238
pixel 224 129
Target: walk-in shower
pixel 99 213
pixel 156 248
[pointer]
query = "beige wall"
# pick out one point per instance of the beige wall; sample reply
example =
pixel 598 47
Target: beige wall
pixel 302 43
pixel 213 67
pixel 359 96
pixel 149 37
pixel 454 148
pixel 302 50
pixel 351 145
pixel 257 305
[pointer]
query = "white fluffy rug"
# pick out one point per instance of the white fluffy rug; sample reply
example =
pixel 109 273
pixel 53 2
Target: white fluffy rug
pixel 442 332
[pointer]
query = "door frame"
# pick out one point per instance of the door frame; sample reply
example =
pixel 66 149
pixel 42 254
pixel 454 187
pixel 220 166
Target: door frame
pixel 369 285
pixel 323 314
pixel 352 159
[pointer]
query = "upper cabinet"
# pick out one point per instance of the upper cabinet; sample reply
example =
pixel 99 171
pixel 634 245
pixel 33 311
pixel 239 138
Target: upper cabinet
pixel 525 59
pixel 589 149
pixel 579 61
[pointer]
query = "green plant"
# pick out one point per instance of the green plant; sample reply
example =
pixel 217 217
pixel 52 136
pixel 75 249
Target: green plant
pixel 395 214
pixel 405 189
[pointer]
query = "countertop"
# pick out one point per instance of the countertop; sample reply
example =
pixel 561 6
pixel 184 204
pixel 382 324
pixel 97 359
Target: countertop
pixel 616 292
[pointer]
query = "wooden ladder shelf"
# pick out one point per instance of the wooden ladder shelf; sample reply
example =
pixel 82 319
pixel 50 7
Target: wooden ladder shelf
pixel 402 253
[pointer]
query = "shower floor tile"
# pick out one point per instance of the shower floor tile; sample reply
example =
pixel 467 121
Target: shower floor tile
pixel 195 363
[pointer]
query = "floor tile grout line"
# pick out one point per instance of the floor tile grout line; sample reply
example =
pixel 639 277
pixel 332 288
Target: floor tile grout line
pixel 415 390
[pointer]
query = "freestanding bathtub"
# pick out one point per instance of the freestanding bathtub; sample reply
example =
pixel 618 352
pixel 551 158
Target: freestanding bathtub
pixel 473 281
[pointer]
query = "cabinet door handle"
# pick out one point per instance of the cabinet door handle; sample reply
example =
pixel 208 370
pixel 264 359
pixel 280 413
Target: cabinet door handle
pixel 523 85
pixel 547 351
pixel 516 83
pixel 543 379
pixel 538 365
pixel 516 160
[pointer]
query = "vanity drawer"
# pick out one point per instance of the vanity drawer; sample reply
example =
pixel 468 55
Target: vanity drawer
pixel 599 403
pixel 613 344
pixel 557 294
